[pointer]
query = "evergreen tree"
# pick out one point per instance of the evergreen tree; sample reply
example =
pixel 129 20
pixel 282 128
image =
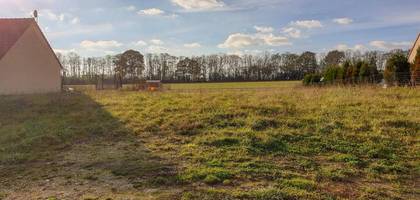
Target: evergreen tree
pixel 397 69
pixel 364 72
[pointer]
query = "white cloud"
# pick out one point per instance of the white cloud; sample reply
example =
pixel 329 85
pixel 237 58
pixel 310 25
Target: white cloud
pixel 343 21
pixel 263 29
pixel 299 29
pixel 379 44
pixel 342 47
pixel 273 40
pixel 110 52
pixel 199 4
pixel 151 12
pixel 236 53
pixel 100 45
pixel 75 20
pixel 357 47
pixel 156 42
pixel 157 49
pixel 64 51
pixel 59 17
pixel 193 45
pixel 292 32
pixel 240 40
pixel 140 43
pixel 130 8
pixel 253 51
pixel 309 24
pixel 248 52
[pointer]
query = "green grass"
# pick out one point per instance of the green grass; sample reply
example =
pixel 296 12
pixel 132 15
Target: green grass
pixel 287 142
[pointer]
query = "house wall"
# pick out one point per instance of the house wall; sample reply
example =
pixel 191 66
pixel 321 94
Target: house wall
pixel 30 66
pixel 413 52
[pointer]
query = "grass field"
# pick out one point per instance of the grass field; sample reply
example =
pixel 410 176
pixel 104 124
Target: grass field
pixel 281 142
pixel 233 85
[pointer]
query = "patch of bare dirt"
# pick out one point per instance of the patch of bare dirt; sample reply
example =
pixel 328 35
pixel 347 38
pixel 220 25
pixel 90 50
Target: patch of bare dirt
pixel 96 169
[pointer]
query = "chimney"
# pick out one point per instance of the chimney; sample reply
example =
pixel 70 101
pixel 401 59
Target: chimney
pixel 35 15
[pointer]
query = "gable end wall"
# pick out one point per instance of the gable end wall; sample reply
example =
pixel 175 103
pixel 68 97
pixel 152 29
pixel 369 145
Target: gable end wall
pixel 30 66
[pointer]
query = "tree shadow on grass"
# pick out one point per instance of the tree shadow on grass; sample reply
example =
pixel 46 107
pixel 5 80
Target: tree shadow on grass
pixel 68 146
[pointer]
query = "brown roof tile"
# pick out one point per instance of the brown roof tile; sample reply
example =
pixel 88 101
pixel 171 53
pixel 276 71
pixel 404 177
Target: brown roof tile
pixel 10 32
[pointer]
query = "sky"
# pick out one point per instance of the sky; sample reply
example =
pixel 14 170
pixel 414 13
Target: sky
pixel 196 27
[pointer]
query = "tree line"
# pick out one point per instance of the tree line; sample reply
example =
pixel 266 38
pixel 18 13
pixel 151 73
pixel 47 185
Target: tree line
pixel 397 70
pixel 132 65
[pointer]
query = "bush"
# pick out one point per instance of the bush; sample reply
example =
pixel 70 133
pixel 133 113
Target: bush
pixel 330 74
pixel 364 72
pixel 397 69
pixel 312 79
pixel 356 71
pixel 361 71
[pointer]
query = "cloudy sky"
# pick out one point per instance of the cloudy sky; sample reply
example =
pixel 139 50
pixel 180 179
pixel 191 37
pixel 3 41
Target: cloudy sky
pixel 195 27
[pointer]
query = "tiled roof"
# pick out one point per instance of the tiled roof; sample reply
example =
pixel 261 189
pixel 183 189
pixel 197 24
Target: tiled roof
pixel 10 32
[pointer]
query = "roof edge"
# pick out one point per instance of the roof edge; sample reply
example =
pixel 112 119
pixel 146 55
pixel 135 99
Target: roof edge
pixel 48 43
pixel 24 31
pixel 414 45
pixel 12 18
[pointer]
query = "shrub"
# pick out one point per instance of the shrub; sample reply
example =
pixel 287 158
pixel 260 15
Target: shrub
pixel 307 79
pixel 331 73
pixel 356 71
pixel 340 78
pixel 346 71
pixel 364 72
pixel 397 69
pixel 311 79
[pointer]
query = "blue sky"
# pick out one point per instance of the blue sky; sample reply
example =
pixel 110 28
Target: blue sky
pixel 195 27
